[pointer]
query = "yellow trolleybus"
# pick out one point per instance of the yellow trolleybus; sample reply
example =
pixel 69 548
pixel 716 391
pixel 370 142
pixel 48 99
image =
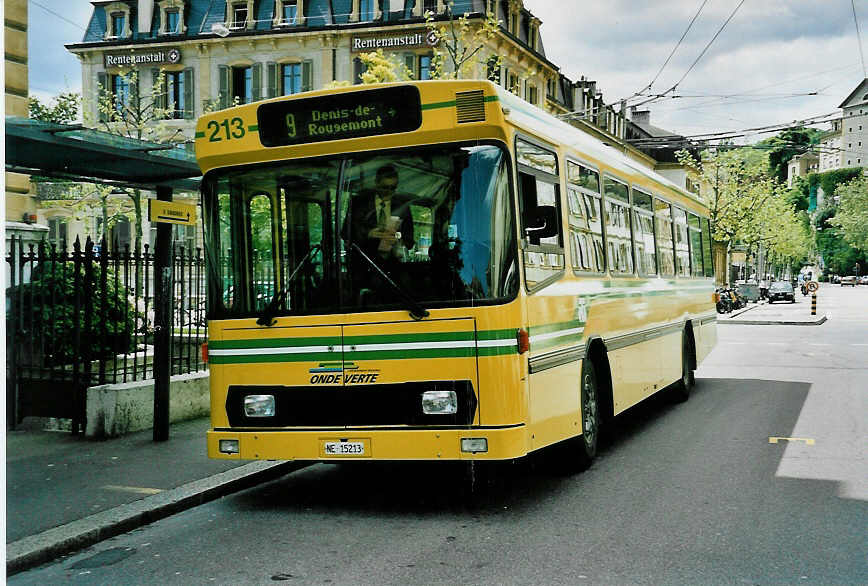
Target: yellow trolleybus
pixel 438 271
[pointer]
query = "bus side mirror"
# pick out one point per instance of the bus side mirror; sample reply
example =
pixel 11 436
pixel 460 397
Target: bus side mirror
pixel 540 222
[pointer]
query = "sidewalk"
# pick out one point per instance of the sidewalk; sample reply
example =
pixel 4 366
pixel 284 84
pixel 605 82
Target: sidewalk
pixel 778 313
pixel 65 492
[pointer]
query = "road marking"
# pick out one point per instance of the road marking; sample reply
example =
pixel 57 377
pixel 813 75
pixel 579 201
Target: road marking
pixel 809 441
pixel 819 344
pixel 135 489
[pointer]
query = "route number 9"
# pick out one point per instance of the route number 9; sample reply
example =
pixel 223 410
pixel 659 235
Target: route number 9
pixel 290 125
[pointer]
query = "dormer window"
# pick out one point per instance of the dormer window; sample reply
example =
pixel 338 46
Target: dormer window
pixel 119 24
pixel 366 10
pixel 172 17
pixel 290 11
pixel 173 21
pixel 239 16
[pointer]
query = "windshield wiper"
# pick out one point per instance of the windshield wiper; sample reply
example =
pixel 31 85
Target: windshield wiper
pixel 267 317
pixel 417 312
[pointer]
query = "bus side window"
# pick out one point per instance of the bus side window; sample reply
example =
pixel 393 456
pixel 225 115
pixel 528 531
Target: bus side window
pixel 540 217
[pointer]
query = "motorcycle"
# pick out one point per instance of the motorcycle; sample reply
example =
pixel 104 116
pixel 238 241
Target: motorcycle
pixel 723 300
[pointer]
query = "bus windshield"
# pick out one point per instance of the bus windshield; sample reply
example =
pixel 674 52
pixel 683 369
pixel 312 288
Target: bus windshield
pixel 430 226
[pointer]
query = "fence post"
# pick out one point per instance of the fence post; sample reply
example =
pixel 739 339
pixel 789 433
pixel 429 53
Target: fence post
pixel 11 345
pixel 162 321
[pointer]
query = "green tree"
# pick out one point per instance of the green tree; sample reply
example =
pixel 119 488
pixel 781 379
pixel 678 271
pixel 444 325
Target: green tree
pixel 139 116
pixel 460 43
pixel 63 109
pixel 379 68
pixel 785 146
pixel 852 214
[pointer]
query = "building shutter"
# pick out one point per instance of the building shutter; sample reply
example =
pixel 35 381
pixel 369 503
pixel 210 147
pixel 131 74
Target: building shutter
pixel 158 92
pixel 134 95
pixel 410 64
pixel 189 108
pixel 306 76
pixel 102 90
pixel 223 73
pixel 271 74
pixel 256 81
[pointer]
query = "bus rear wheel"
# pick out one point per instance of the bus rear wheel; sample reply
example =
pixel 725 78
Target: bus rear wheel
pixel 681 389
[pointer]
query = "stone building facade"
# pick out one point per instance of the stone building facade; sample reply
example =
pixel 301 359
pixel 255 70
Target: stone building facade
pixel 205 54
pixel 854 127
pixel 19 204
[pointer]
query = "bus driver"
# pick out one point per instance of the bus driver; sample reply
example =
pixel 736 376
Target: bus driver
pixel 379 223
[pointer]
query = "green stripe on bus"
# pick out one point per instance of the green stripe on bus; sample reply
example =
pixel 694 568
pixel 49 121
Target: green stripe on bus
pixel 549 328
pixel 253 128
pixel 452 103
pixel 253 358
pixel 273 343
pixel 398 338
pixel 468 352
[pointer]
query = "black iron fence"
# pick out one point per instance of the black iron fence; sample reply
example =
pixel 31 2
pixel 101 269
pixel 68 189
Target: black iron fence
pixel 84 317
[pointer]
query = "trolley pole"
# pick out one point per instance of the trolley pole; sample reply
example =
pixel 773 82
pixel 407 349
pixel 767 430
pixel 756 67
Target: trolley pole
pixel 813 304
pixel 162 322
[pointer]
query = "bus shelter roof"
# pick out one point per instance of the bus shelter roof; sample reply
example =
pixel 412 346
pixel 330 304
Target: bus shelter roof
pixel 71 151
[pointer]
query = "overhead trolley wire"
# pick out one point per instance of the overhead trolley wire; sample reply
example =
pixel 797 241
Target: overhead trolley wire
pixel 692 65
pixel 859 38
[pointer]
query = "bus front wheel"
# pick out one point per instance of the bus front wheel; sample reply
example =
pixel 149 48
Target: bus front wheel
pixel 590 404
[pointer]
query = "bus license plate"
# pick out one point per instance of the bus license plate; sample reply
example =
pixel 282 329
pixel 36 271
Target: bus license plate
pixel 344 448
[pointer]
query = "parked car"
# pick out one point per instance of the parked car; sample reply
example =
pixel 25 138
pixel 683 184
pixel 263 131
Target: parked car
pixel 864 280
pixel 849 280
pixel 781 291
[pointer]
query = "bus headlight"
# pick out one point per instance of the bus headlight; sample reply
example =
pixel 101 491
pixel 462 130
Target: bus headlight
pixel 439 403
pixel 229 446
pixel 259 405
pixel 474 445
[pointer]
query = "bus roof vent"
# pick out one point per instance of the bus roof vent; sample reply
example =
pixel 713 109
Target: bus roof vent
pixel 470 106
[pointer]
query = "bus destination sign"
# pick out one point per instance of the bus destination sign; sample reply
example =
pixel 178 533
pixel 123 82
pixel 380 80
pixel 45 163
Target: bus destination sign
pixel 340 116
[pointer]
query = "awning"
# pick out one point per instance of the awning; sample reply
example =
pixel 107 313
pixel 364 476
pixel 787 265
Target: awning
pixel 70 151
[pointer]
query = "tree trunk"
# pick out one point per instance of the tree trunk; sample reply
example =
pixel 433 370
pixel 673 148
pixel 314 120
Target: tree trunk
pixel 721 268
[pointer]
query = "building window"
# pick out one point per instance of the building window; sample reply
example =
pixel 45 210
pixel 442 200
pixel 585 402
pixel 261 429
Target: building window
pixel 57 233
pixel 290 12
pixel 513 83
pixel 429 6
pixel 175 102
pixel 291 79
pixel 242 84
pixel 119 24
pixel 121 92
pixel 492 72
pixel 173 22
pixel 530 93
pixel 239 16
pixel 425 67
pixel 358 69
pixel 366 10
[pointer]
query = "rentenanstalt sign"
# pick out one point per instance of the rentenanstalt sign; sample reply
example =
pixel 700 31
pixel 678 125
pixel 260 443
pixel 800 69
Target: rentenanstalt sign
pixel 413 39
pixel 161 56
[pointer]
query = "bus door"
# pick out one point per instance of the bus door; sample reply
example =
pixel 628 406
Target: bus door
pixel 411 373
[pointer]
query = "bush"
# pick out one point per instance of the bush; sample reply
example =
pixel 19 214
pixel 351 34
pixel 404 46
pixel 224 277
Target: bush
pixel 48 302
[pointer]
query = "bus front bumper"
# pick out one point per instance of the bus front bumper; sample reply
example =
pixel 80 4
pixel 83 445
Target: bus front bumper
pixel 502 443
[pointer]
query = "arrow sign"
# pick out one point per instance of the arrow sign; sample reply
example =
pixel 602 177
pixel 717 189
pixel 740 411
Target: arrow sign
pixel 170 212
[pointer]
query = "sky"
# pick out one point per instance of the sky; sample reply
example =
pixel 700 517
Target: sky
pixel 757 72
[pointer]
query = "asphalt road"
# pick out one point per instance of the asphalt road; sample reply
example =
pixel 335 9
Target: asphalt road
pixel 699 493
